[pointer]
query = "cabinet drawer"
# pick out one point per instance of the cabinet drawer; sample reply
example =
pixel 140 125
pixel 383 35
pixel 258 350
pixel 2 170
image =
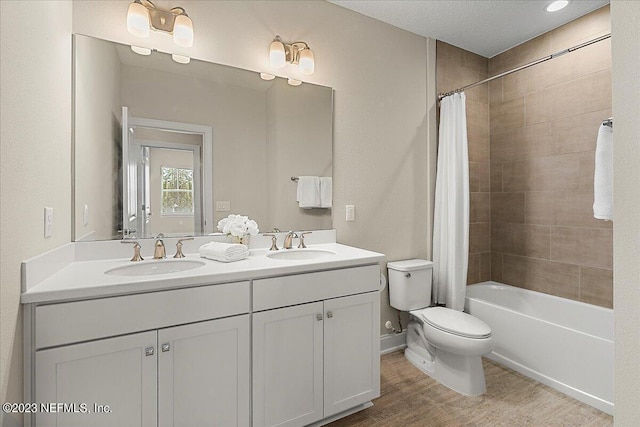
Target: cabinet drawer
pixel 70 322
pixel 300 288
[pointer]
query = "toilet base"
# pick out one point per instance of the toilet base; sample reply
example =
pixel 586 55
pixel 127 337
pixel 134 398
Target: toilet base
pixel 462 374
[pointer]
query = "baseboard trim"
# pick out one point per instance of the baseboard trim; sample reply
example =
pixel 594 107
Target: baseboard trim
pixel 392 342
pixel 342 414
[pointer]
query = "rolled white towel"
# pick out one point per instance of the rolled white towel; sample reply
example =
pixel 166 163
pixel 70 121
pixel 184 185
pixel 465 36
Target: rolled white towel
pixel 223 252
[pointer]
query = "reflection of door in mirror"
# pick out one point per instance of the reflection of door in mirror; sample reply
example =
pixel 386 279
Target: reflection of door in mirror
pixel 163 183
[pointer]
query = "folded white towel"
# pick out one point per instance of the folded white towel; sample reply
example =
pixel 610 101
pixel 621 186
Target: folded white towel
pixel 223 252
pixel 603 178
pixel 326 192
pixel 308 192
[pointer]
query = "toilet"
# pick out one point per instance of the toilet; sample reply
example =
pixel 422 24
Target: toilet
pixel 444 343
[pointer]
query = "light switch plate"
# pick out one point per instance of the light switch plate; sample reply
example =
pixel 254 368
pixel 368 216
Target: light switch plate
pixel 48 222
pixel 85 215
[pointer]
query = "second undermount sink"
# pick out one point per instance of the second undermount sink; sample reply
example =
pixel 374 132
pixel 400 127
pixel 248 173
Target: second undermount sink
pixel 300 254
pixel 153 267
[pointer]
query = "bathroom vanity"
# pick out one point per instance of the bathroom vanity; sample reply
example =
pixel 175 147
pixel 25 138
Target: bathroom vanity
pixel 259 342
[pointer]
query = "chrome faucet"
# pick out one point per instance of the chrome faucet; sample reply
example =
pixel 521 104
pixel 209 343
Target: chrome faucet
pixel 159 251
pixel 288 240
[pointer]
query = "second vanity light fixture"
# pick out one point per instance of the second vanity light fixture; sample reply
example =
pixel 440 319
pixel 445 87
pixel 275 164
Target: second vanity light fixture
pixel 143 16
pixel 298 53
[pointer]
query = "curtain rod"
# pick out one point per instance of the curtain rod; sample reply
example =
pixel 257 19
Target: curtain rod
pixel 530 64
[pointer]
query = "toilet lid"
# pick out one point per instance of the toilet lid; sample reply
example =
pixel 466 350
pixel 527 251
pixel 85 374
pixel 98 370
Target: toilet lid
pixel 455 322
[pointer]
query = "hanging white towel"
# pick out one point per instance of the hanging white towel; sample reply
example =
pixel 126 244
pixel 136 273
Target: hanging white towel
pixel 223 252
pixel 308 192
pixel 603 178
pixel 326 192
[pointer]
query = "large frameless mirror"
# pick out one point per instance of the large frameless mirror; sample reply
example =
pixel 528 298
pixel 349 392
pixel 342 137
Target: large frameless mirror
pixel 164 147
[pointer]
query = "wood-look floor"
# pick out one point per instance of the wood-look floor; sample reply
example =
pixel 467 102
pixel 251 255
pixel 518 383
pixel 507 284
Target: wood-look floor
pixel 411 399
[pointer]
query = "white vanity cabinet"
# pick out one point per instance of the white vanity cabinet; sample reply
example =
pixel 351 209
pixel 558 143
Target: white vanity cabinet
pixel 203 374
pixel 90 352
pixel 313 360
pixel 112 372
pixel 262 342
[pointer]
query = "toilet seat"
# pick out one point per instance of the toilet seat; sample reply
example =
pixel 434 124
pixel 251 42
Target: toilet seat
pixel 454 322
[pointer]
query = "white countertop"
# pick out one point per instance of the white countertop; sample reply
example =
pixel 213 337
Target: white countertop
pixel 86 279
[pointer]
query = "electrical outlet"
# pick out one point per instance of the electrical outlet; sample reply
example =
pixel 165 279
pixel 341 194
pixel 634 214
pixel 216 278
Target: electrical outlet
pixel 351 212
pixel 48 222
pixel 223 206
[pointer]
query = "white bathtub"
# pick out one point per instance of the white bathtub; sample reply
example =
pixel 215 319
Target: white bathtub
pixel 565 344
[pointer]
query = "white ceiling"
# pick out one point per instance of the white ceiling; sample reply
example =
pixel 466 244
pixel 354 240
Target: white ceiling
pixel 485 27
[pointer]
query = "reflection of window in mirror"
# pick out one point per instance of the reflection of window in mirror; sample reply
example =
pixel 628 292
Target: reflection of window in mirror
pixel 177 191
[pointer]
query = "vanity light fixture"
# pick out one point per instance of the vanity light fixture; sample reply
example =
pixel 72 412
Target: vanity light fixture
pixel 298 53
pixel 141 50
pixel 267 76
pixel 143 15
pixel 556 5
pixel 181 58
pixel 293 82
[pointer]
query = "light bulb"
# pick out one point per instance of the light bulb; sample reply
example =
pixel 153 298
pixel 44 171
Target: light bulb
pixel 276 54
pixel 138 20
pixel 267 76
pixel 141 50
pixel 294 82
pixel 183 31
pixel 306 62
pixel 181 59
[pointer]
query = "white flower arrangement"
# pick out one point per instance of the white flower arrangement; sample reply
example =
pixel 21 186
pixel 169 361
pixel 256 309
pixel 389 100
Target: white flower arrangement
pixel 238 226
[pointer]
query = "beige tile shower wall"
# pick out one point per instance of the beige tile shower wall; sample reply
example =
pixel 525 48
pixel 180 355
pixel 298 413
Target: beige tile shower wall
pixel 455 68
pixel 543 125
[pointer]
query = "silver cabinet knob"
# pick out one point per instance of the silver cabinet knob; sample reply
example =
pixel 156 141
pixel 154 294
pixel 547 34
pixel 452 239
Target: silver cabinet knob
pixel 319 316
pixel 329 314
pixel 166 347
pixel 148 351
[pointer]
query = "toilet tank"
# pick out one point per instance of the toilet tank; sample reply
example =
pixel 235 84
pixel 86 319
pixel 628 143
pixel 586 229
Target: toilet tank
pixel 410 284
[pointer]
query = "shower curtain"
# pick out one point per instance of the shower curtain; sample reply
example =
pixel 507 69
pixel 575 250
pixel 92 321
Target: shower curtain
pixel 451 214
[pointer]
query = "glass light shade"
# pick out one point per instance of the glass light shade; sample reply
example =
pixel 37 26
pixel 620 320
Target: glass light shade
pixel 294 82
pixel 267 76
pixel 141 50
pixel 183 31
pixel 557 5
pixel 306 63
pixel 138 20
pixel 276 54
pixel 181 59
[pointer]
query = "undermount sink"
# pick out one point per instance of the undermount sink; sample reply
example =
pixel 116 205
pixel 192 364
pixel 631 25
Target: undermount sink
pixel 152 267
pixel 299 254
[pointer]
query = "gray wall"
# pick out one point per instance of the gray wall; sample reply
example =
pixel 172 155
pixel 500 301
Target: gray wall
pixel 625 16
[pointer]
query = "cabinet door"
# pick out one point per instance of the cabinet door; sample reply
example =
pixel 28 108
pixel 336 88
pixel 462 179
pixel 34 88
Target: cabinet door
pixel 203 374
pixel 118 372
pixel 351 351
pixel 287 366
